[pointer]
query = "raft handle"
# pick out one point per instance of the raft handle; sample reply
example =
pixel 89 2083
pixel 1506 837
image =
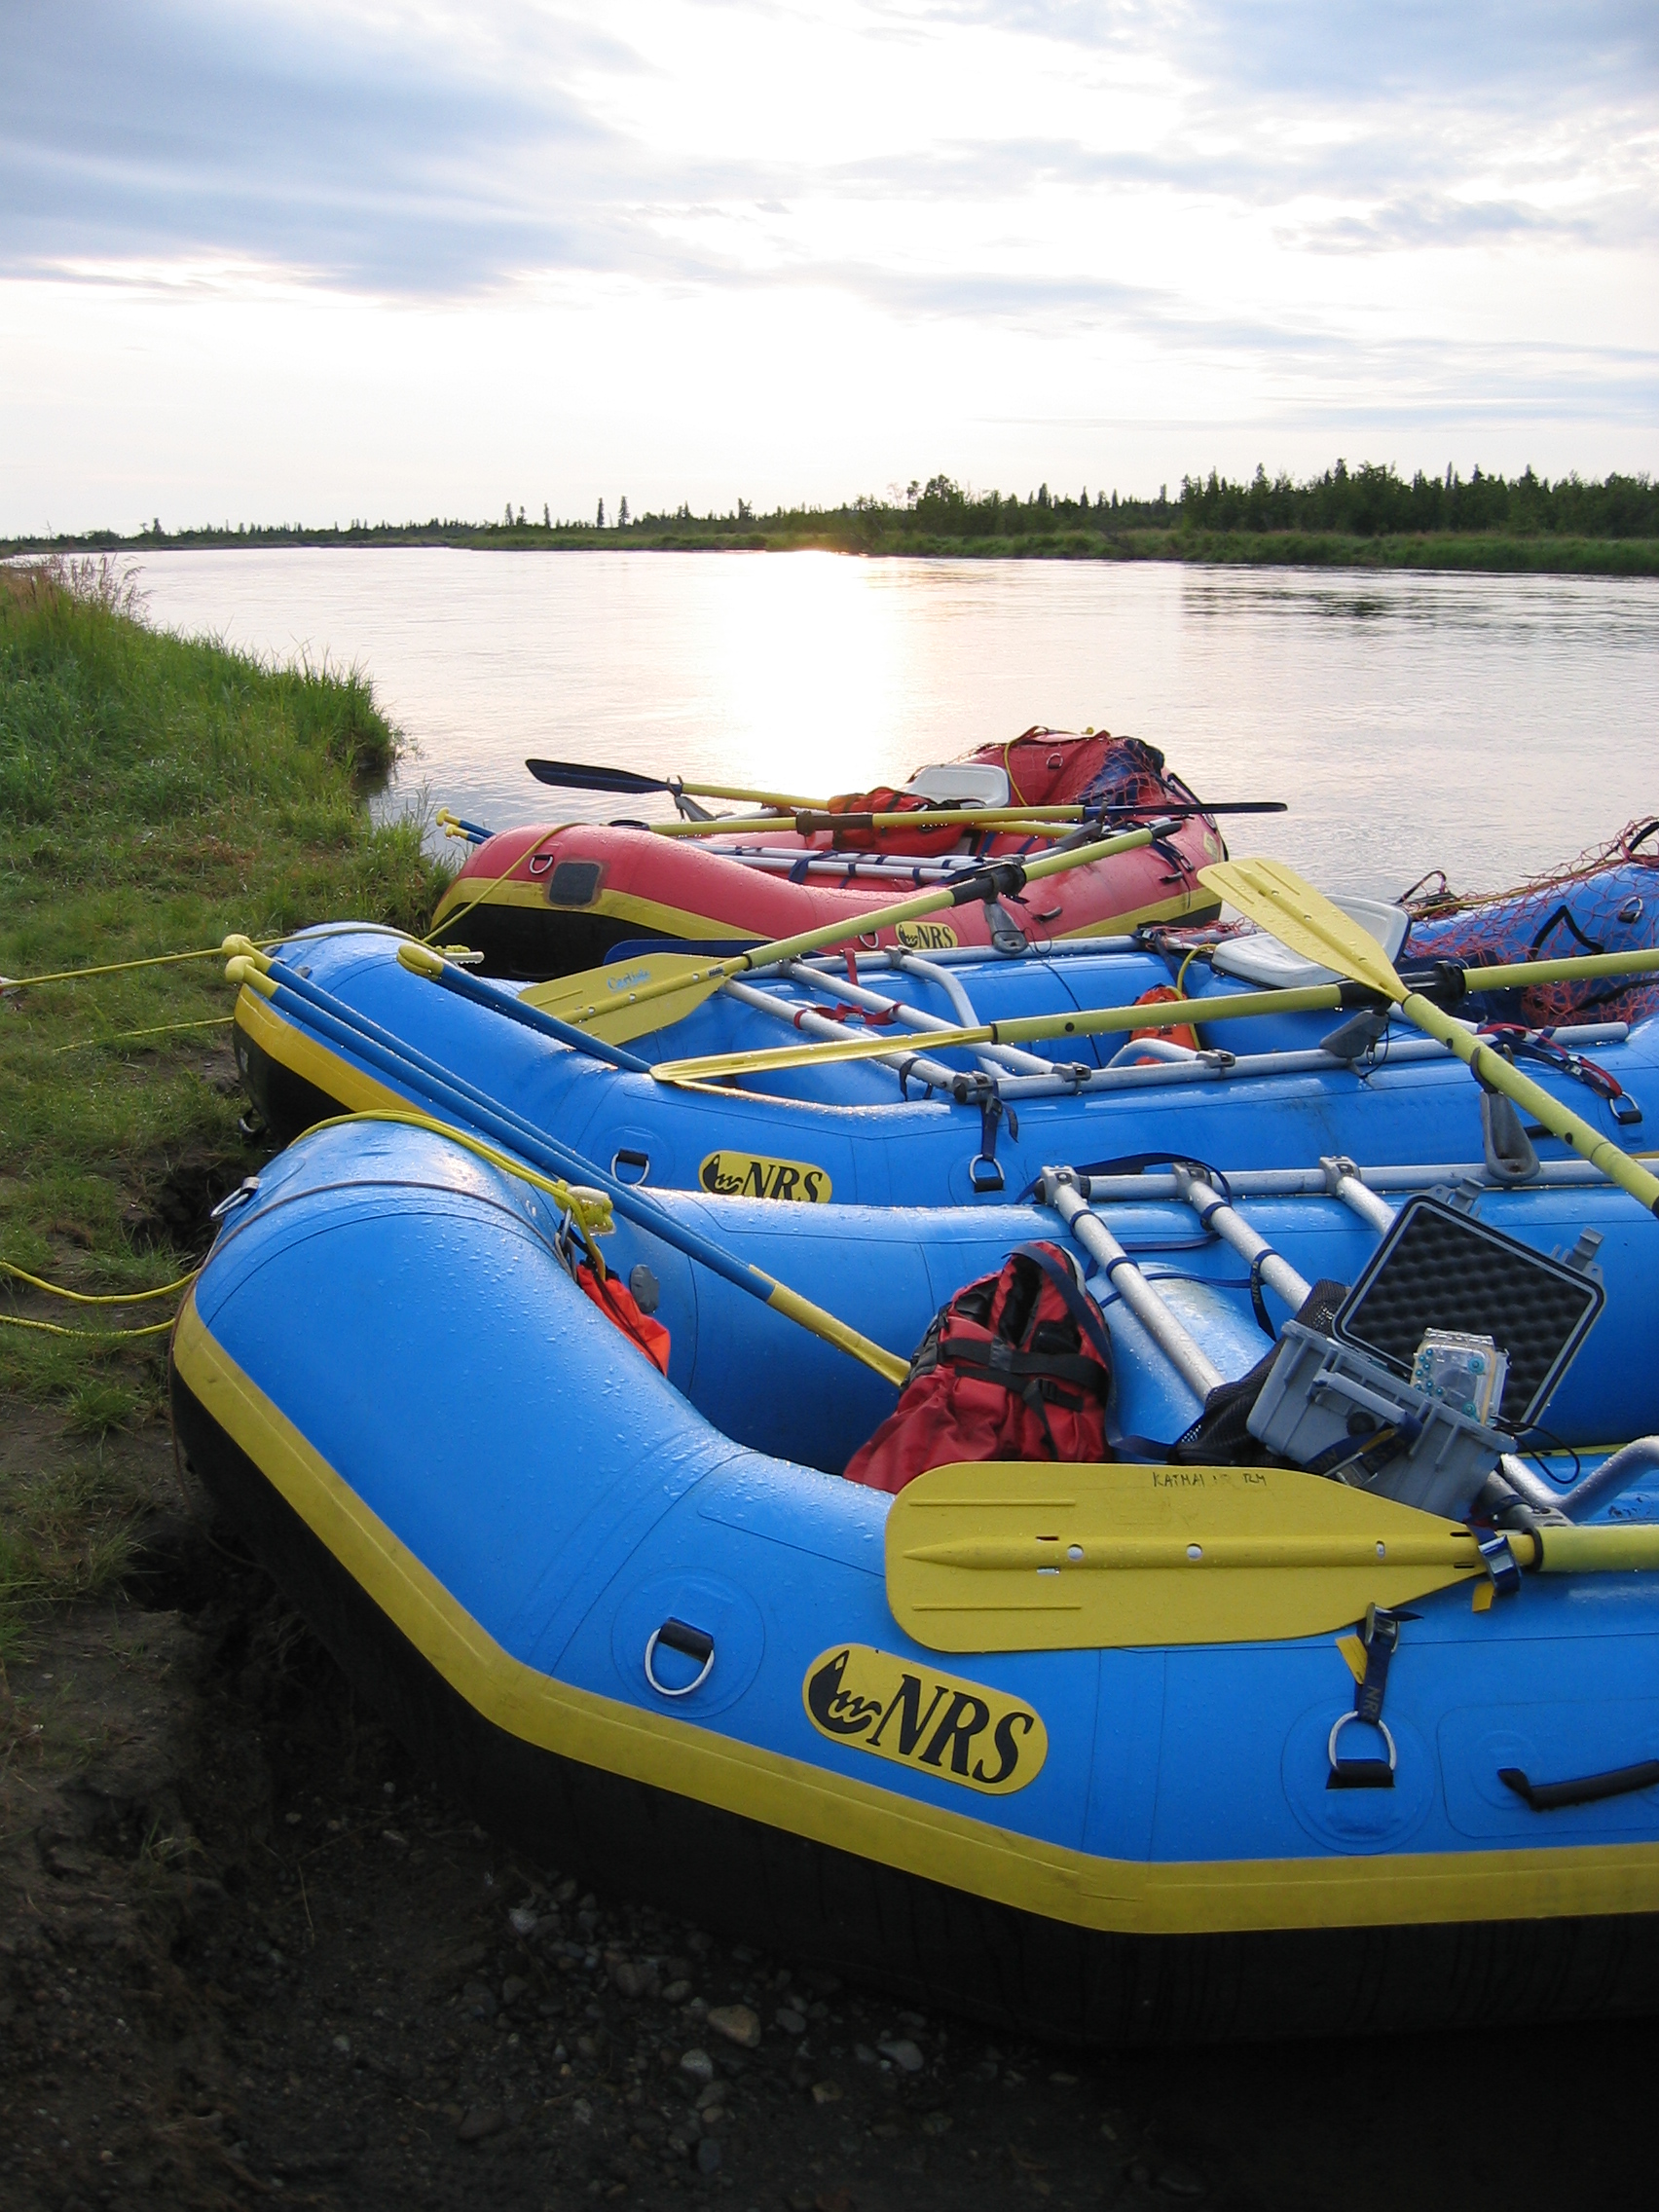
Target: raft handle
pixel 1587 1789
pixel 693 1642
pixel 1362 1773
pixel 639 1161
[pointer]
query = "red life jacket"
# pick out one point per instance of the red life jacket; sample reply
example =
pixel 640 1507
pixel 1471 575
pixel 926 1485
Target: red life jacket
pixel 1017 1366
pixel 1183 1033
pixel 900 836
pixel 617 1303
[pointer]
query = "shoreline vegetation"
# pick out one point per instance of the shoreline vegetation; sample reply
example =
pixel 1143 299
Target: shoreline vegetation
pixel 156 793
pixel 1366 517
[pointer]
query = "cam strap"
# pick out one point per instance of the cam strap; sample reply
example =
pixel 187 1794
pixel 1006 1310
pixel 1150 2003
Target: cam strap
pixel 1380 1637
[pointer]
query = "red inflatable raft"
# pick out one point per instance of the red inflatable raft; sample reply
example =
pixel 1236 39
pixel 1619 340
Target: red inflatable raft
pixel 542 901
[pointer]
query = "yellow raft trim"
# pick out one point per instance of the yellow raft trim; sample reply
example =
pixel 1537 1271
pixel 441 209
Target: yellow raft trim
pixel 614 905
pixel 679 922
pixel 289 1046
pixel 1115 1896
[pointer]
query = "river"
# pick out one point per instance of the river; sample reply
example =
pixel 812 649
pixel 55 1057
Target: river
pixel 1487 726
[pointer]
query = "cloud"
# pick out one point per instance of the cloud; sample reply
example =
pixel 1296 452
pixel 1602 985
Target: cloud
pixel 440 151
pixel 1475 53
pixel 403 156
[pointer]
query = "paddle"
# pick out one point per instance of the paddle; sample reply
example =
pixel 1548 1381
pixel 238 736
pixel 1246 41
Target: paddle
pixel 636 996
pixel 1228 1005
pixel 989 1557
pixel 810 822
pixel 813 821
pixel 1278 898
pixel 577 776
pixel 308 1006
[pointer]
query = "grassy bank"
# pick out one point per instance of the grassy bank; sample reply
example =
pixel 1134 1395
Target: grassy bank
pixel 155 793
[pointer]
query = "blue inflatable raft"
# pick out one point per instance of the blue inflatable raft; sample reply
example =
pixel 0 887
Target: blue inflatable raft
pixel 350 1027
pixel 636 1624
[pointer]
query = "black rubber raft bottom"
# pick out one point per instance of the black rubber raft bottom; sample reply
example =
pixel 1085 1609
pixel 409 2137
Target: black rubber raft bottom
pixel 922 1940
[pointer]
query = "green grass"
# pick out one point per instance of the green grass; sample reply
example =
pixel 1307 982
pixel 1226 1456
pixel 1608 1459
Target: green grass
pixel 154 794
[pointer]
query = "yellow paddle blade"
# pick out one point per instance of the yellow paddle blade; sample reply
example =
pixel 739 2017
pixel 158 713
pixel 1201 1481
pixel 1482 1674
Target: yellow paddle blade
pixel 998 1557
pixel 605 1001
pixel 1278 901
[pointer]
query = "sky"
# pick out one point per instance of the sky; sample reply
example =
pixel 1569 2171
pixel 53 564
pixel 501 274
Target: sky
pixel 311 260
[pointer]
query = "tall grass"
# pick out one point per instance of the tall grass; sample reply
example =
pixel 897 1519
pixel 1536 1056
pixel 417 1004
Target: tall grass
pixel 155 792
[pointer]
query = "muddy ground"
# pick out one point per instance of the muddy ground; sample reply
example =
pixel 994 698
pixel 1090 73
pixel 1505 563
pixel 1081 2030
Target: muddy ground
pixel 249 1956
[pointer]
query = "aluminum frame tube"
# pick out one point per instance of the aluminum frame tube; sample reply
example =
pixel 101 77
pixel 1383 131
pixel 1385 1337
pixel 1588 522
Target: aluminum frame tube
pixel 1183 1352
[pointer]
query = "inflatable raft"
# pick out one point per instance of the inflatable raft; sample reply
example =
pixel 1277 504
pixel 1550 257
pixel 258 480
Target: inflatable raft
pixel 549 901
pixel 355 1028
pixel 1606 900
pixel 634 1623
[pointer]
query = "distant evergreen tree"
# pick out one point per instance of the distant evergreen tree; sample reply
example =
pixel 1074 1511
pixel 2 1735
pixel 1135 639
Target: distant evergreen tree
pixel 622 513
pixel 546 516
pixel 599 524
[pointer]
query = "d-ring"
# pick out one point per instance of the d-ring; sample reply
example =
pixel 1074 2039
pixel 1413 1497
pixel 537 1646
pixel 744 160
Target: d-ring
pixel 1360 1773
pixel 693 1642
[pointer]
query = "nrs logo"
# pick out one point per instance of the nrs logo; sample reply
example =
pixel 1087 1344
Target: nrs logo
pixel 751 1175
pixel 925 937
pixel 931 1723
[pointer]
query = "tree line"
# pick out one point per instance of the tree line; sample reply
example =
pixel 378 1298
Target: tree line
pixel 1371 501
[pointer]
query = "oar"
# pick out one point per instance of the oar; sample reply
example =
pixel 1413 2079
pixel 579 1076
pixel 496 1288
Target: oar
pixel 633 997
pixel 1278 898
pixel 1227 1006
pixel 809 822
pixel 309 1006
pixel 813 821
pixel 578 776
pixel 989 1557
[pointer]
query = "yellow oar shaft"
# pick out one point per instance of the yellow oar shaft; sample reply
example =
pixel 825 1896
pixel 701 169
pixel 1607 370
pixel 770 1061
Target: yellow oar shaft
pixel 1490 1068
pixel 1517 975
pixel 814 1319
pixel 1026 1029
pixel 787 802
pixel 1600 1550
pixel 852 926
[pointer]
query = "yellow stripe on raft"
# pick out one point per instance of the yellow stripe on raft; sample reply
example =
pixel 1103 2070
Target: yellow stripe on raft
pixel 1116 1895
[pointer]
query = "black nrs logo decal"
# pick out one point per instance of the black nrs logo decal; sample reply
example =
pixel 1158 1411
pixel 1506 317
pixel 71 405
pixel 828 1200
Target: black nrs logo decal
pixel 931 1723
pixel 926 937
pixel 751 1175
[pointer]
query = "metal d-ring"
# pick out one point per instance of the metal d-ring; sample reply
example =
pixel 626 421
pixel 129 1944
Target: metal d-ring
pixel 692 1643
pixel 1355 1772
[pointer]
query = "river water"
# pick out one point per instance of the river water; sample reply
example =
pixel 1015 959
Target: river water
pixel 1487 726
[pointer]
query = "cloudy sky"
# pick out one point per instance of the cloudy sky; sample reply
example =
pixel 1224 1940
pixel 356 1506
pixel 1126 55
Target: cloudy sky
pixel 312 259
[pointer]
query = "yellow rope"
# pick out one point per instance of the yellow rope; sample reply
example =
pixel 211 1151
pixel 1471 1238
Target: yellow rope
pixel 103 1298
pixel 115 967
pixel 161 1029
pixel 589 1209
pixel 98 1336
